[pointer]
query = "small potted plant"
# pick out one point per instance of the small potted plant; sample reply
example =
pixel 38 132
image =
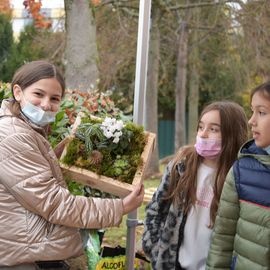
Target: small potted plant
pixel 107 153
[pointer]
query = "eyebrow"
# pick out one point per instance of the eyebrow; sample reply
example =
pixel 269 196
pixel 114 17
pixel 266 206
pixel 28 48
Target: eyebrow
pixel 212 124
pixel 56 95
pixel 259 107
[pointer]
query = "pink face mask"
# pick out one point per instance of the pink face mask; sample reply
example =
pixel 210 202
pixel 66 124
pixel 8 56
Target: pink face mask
pixel 208 148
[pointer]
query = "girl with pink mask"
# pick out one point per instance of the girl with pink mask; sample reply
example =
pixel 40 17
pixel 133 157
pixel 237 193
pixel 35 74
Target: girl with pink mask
pixel 181 215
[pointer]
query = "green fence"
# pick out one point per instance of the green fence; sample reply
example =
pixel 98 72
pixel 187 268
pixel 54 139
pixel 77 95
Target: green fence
pixel 166 130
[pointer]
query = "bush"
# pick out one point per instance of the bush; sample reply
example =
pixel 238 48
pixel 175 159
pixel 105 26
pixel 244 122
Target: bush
pixel 6 42
pixel 5 91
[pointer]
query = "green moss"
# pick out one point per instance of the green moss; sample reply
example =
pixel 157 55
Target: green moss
pixel 72 152
pixel 119 161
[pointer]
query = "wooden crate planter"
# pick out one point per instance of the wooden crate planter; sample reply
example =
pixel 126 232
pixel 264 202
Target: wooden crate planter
pixel 104 183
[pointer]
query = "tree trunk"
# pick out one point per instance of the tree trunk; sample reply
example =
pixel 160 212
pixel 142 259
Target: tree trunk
pixel 180 90
pixel 193 102
pixel 81 56
pixel 193 97
pixel 151 103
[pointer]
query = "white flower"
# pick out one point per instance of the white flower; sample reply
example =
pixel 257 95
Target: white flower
pixel 119 125
pixel 112 128
pixel 108 134
pixel 107 121
pixel 116 140
pixel 118 134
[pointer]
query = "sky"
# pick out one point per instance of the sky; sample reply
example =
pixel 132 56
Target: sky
pixel 45 3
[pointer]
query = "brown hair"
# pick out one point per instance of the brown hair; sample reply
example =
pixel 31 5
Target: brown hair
pixel 264 89
pixel 32 72
pixel 234 132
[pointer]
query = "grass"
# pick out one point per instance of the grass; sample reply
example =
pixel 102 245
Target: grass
pixel 117 236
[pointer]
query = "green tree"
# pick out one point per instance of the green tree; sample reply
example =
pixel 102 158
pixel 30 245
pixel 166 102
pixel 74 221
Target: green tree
pixel 6 41
pixel 33 44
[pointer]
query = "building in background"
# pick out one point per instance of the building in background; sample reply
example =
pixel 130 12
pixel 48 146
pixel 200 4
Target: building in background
pixel 52 9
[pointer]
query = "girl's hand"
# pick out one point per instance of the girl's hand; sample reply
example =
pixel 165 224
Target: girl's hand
pixel 134 199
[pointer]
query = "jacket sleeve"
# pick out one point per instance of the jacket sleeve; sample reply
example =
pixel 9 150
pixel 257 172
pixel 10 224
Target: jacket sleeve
pixel 155 216
pixel 28 176
pixel 221 249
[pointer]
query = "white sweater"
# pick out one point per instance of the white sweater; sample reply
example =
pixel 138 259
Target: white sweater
pixel 194 249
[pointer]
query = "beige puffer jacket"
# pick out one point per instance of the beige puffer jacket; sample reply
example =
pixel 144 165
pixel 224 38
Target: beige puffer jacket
pixel 39 217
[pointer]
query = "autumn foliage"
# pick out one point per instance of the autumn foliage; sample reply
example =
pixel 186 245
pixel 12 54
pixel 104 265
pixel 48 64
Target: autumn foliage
pixel 40 21
pixel 95 2
pixel 5 7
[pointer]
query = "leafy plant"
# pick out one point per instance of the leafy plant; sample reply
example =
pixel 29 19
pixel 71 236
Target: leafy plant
pixel 4 91
pixel 90 134
pixel 113 150
pixel 96 103
pixel 81 190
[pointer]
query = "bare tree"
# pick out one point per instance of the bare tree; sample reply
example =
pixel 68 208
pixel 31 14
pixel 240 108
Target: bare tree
pixel 193 94
pixel 180 89
pixel 151 108
pixel 81 54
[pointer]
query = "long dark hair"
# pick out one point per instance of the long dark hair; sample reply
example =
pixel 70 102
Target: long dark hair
pixel 234 132
pixel 264 89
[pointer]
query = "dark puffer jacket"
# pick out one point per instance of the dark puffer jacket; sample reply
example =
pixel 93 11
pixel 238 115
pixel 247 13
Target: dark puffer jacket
pixel 241 239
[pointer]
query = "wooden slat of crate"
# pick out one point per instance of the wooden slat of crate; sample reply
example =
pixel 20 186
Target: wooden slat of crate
pixel 145 156
pixel 96 181
pixel 108 184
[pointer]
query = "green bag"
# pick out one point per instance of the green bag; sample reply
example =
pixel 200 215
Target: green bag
pixel 108 258
pixel 92 249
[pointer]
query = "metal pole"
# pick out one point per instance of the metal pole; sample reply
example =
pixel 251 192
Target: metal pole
pixel 138 110
pixel 141 61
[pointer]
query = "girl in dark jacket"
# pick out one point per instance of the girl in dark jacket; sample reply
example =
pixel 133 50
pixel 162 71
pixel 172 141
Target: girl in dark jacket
pixel 242 229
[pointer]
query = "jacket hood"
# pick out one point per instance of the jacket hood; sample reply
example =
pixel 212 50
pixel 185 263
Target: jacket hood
pixel 250 149
pixel 5 111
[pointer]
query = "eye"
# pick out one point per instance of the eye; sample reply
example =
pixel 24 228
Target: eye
pixel 38 94
pixel 261 113
pixel 200 127
pixel 215 129
pixel 56 99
